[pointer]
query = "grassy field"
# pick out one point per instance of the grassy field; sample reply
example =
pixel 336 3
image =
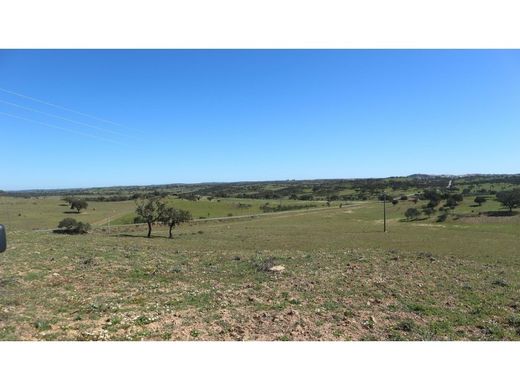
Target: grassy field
pixel 46 212
pixel 344 279
pixel 222 207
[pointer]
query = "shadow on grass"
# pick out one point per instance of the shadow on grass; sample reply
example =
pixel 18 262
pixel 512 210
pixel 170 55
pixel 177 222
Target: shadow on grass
pixel 141 236
pixel 501 213
pixel 414 220
pixel 71 212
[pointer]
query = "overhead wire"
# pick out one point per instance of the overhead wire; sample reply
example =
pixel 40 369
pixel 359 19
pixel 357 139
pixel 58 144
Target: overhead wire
pixel 68 109
pixel 63 118
pixel 60 128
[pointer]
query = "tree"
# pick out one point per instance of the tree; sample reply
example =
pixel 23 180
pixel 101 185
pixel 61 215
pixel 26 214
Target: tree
pixel 172 217
pixel 412 214
pixel 480 200
pixel 451 203
pixel 509 199
pixel 71 226
pixel 428 211
pixel 432 203
pixel 150 211
pixel 432 195
pixel 457 197
pixel 79 204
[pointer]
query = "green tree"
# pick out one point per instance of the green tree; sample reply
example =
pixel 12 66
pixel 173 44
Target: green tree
pixel 172 217
pixel 79 204
pixel 451 203
pixel 150 211
pixel 480 200
pixel 509 199
pixel 428 211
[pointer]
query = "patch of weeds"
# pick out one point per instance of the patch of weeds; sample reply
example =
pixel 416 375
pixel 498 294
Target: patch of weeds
pixel 369 323
pixel 194 333
pixel 478 311
pixel 138 273
pixel 264 265
pixel 284 338
pixel 32 276
pixel 114 321
pixel 395 336
pixel 42 325
pixel 88 262
pixel 176 269
pixel 294 301
pixel 514 321
pixel 500 283
pixel 419 309
pixel 97 307
pixel 492 331
pixel 8 333
pixel 143 320
pixel 331 305
pixel 407 325
pixel 440 327
pixel 166 336
pixel 198 300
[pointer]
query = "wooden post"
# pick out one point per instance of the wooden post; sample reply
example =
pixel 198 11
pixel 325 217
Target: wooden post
pixel 384 212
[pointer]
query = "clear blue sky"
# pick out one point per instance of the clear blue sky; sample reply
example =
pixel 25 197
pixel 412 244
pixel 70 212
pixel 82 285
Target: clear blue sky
pixel 224 115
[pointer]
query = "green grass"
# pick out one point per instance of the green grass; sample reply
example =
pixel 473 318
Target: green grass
pixel 224 207
pixel 344 278
pixel 46 212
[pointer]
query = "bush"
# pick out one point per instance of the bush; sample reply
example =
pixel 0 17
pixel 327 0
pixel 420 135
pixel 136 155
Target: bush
pixel 442 217
pixel 71 226
pixel 412 213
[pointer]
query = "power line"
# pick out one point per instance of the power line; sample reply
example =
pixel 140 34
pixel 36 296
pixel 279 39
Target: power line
pixel 60 128
pixel 67 109
pixel 64 118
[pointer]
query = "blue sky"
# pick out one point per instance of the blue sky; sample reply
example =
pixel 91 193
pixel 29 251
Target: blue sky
pixel 231 115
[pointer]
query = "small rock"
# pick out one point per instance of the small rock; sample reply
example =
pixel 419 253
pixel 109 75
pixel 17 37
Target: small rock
pixel 277 268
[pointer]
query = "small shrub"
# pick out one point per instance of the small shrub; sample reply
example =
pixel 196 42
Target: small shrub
pixel 514 321
pixel 143 320
pixel 71 226
pixel 42 325
pixel 412 214
pixel 406 325
pixel 264 265
pixel 500 283
pixel 442 217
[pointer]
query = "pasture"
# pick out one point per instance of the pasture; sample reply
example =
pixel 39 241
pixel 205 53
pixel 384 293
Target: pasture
pixel 343 278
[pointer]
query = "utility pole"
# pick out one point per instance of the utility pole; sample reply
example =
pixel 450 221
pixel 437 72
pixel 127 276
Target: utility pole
pixel 384 212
